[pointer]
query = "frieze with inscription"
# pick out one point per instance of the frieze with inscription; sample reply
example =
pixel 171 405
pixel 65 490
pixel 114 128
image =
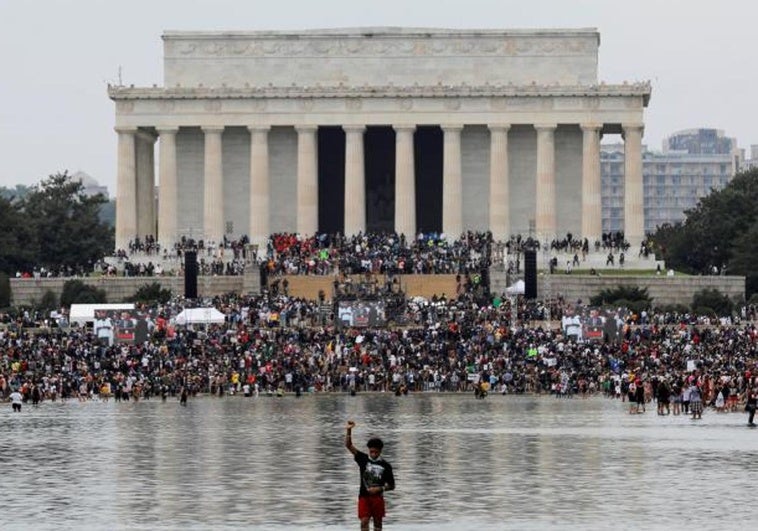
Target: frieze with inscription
pixel 486 46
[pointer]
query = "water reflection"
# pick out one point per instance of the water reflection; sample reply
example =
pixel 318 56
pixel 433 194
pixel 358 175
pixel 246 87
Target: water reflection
pixel 271 463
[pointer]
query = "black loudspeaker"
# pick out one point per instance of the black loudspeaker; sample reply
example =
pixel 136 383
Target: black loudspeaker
pixel 190 275
pixel 530 274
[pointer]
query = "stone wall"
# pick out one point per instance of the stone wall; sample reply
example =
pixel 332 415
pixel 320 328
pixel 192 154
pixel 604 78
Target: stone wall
pixel 364 56
pixel 27 291
pixel 662 289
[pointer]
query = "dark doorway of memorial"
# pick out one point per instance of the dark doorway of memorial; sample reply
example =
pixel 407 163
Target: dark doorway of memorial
pixel 331 179
pixel 428 158
pixel 379 160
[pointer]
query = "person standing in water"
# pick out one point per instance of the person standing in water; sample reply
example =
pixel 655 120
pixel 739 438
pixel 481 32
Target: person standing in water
pixel 696 400
pixel 751 403
pixel 376 479
pixel 16 401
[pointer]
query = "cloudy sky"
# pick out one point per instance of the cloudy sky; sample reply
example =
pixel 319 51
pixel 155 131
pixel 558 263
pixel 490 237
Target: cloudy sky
pixel 57 56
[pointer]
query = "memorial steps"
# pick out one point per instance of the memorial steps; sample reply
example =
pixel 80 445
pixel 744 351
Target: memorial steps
pixel 427 286
pixel 593 260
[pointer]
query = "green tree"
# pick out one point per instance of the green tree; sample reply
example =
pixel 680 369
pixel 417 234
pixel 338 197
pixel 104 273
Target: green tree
pixel 714 300
pixel 15 253
pixel 5 290
pixel 14 193
pixel 108 213
pixel 745 257
pixel 150 294
pixel 719 232
pixel 49 301
pixel 631 297
pixel 76 291
pixel 65 224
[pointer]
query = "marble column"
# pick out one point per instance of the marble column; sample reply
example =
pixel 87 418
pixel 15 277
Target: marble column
pixel 355 181
pixel 259 186
pixel 307 180
pixel 499 182
pixel 452 185
pixel 213 191
pixel 634 218
pixel 126 188
pixel 168 192
pixel 545 213
pixel 145 184
pixel 592 214
pixel 405 182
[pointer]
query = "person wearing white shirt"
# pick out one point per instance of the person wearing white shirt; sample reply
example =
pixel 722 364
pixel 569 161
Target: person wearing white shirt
pixel 16 400
pixel 103 326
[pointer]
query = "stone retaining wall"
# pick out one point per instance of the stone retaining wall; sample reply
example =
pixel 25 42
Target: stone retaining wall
pixel 27 291
pixel 662 289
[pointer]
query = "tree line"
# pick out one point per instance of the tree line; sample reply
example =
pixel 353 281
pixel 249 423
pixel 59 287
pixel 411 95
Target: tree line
pixel 53 225
pixel 717 236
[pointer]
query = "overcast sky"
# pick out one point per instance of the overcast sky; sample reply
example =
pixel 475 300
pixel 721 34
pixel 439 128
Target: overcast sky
pixel 57 56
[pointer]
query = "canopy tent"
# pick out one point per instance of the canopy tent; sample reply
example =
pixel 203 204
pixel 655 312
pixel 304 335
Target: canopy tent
pixel 517 288
pixel 199 316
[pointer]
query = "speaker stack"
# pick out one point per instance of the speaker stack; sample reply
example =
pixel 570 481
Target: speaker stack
pixel 190 275
pixel 530 274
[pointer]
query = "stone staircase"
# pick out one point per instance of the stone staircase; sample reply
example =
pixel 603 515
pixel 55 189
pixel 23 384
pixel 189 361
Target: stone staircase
pixel 171 263
pixel 413 285
pixel 593 260
pixel 428 286
pixel 500 280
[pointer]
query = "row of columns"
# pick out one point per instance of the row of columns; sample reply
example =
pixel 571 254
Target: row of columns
pixel 135 215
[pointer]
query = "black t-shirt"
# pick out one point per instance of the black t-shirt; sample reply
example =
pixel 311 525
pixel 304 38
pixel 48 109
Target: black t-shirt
pixel 374 473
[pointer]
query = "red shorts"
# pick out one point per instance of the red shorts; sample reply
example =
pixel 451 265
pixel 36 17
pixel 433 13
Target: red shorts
pixel 371 507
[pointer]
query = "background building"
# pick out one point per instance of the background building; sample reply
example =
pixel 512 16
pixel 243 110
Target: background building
pixel 692 164
pixel 90 184
pixel 751 159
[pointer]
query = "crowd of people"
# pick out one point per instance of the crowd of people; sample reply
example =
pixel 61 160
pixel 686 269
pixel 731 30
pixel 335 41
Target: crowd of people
pixel 56 272
pixel 509 255
pixel 386 253
pixel 274 343
pixel 277 344
pixel 332 254
pixel 318 254
pixel 149 245
pixel 227 257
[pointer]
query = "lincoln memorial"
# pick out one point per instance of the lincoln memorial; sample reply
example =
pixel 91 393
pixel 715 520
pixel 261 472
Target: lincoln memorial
pixel 374 129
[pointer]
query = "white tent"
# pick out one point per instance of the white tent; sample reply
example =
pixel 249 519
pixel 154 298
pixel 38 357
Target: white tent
pixel 199 316
pixel 517 288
